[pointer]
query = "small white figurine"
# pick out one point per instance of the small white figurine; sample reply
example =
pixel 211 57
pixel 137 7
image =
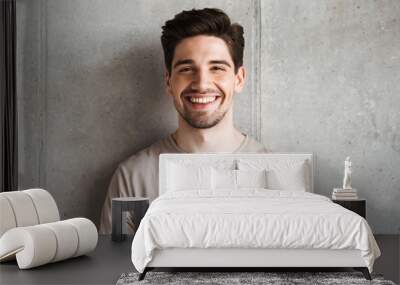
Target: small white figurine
pixel 347 174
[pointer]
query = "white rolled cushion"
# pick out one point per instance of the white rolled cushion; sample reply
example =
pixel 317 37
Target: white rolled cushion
pixel 252 178
pixel 33 246
pixel 67 239
pixel 7 218
pixel 223 179
pixel 23 208
pixel 40 244
pixel 87 234
pixel 45 205
pixel 182 177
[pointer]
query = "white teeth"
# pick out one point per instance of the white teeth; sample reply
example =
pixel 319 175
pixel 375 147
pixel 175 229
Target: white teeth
pixel 202 100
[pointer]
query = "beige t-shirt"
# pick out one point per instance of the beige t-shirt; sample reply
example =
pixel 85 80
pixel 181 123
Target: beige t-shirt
pixel 137 176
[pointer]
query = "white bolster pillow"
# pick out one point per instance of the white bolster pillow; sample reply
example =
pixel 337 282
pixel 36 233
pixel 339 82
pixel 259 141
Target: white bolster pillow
pixel 33 246
pixel 26 208
pixel 24 211
pixel 40 244
pixel 67 240
pixel 46 207
pixel 87 235
pixel 7 219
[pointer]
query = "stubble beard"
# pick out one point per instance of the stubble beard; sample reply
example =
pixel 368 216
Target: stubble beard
pixel 202 121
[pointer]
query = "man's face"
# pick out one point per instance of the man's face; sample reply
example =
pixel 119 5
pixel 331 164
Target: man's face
pixel 203 80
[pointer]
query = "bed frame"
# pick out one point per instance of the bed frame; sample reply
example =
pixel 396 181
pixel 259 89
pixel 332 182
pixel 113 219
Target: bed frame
pixel 248 259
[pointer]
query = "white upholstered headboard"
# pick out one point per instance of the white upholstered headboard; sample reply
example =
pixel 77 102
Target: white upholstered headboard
pixel 228 160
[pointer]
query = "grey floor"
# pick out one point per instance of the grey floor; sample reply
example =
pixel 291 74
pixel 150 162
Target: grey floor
pixel 110 260
pixel 103 266
pixel 389 262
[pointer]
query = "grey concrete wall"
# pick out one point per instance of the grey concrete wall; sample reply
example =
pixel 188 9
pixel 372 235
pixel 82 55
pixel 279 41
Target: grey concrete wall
pixel 330 85
pixel 30 92
pixel 91 91
pixel 321 77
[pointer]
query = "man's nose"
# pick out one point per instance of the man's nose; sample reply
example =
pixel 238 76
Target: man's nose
pixel 201 80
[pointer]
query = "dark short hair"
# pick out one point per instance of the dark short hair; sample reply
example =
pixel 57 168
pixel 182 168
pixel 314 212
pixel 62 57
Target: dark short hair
pixel 208 21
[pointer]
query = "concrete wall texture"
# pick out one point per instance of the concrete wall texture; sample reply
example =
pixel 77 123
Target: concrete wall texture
pixel 322 77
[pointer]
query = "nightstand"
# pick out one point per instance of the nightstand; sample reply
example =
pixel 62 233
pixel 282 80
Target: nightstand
pixel 138 205
pixel 358 206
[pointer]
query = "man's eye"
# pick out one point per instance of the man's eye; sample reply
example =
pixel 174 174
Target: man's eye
pixel 218 68
pixel 185 69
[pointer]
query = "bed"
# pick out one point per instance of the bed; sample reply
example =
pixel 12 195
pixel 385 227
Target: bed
pixel 245 211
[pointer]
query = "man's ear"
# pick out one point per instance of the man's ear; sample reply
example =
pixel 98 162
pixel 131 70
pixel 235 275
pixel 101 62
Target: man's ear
pixel 167 79
pixel 240 77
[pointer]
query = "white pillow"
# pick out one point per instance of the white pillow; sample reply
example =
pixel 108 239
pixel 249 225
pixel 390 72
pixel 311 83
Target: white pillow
pixel 230 179
pixel 188 177
pixel 281 174
pixel 224 179
pixel 287 179
pixel 252 178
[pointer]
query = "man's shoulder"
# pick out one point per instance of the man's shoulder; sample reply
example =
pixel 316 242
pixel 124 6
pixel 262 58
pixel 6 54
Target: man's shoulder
pixel 146 157
pixel 253 145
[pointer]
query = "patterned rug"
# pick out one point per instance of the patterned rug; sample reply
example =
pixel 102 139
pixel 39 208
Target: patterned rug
pixel 270 278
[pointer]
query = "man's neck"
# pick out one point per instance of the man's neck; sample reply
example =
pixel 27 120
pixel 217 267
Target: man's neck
pixel 223 137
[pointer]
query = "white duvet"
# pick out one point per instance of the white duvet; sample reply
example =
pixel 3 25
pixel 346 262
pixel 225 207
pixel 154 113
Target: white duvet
pixel 252 218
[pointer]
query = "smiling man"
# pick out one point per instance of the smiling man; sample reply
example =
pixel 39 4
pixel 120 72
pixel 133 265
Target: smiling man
pixel 203 55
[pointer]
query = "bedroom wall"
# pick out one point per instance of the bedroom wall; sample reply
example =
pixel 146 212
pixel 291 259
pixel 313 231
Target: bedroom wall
pixel 321 77
pixel 91 92
pixel 330 73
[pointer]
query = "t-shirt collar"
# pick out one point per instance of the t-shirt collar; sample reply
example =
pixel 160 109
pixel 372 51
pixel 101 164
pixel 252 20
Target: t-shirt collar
pixel 180 150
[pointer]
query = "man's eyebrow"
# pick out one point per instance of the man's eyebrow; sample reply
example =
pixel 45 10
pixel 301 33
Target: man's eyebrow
pixel 224 62
pixel 191 61
pixel 183 61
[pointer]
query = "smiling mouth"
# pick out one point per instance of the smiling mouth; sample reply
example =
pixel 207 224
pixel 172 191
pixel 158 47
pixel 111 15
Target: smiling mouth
pixel 201 102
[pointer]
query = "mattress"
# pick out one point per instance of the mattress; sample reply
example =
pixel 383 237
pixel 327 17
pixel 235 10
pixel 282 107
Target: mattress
pixel 253 218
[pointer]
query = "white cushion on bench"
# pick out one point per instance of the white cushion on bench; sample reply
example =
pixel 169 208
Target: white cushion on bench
pixel 31 232
pixel 46 207
pixel 27 208
pixel 23 208
pixel 40 244
pixel 7 220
